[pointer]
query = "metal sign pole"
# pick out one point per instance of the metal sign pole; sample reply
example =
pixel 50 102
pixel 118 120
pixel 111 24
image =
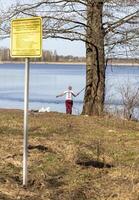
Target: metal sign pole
pixel 25 44
pixel 25 141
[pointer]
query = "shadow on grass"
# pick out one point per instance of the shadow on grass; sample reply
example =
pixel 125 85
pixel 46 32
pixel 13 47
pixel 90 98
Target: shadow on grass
pixel 38 147
pixel 94 163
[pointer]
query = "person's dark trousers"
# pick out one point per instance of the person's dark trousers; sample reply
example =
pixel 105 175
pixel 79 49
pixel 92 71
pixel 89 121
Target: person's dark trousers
pixel 69 104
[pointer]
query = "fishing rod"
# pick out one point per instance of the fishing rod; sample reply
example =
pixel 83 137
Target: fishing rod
pixel 81 91
pixel 84 88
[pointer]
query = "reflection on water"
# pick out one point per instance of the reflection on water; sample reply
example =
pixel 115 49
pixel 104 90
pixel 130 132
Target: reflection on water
pixel 46 81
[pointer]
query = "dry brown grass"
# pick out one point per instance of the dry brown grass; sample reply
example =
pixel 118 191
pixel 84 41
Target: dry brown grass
pixel 65 157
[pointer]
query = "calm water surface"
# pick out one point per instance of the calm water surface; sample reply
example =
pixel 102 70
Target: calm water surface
pixel 49 80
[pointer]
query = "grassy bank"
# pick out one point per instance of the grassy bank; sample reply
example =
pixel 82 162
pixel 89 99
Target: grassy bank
pixel 70 157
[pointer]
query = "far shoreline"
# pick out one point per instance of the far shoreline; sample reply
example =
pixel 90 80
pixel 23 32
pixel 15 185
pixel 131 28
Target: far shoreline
pixel 47 63
pixel 110 63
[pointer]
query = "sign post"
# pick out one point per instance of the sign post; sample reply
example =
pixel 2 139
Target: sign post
pixel 26 42
pixel 26 103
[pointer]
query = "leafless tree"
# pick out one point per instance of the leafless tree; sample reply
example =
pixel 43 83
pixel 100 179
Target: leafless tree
pixel 130 100
pixel 107 27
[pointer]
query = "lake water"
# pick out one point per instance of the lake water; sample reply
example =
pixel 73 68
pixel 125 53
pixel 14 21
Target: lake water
pixel 49 80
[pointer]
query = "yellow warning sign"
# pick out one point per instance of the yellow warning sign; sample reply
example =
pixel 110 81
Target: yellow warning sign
pixel 26 37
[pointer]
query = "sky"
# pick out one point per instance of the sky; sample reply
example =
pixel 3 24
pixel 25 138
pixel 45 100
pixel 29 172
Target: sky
pixel 63 47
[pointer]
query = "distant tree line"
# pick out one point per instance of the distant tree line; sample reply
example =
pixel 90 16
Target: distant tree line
pixel 47 56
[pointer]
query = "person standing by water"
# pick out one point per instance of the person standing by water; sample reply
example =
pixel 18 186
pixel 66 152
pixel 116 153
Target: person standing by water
pixel 69 99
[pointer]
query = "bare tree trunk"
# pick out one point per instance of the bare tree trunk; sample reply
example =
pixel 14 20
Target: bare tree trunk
pixel 95 62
